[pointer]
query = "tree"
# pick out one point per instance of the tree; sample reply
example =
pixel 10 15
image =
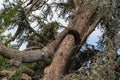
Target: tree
pixel 86 15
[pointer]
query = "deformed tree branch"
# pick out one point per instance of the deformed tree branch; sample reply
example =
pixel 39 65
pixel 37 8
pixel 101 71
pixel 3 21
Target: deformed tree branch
pixel 18 57
pixel 59 65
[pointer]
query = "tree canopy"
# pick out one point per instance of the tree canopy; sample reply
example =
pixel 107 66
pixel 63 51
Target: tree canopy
pixel 37 23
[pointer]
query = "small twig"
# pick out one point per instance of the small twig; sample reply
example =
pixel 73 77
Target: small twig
pixel 31 48
pixel 33 4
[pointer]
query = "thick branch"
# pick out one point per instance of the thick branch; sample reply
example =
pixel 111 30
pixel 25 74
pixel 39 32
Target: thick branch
pixel 19 57
pixel 77 4
pixel 81 23
pixel 25 56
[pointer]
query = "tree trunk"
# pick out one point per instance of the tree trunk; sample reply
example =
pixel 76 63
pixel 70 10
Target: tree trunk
pixel 84 21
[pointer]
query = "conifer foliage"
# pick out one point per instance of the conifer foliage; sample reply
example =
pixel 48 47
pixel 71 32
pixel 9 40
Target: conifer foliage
pixel 52 54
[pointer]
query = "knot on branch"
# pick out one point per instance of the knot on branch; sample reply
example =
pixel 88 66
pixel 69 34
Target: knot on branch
pixel 16 61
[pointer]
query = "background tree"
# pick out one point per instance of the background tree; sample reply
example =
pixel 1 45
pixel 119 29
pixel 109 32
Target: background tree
pixel 43 40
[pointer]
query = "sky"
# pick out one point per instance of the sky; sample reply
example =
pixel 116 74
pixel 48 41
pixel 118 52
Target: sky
pixel 1 1
pixel 93 38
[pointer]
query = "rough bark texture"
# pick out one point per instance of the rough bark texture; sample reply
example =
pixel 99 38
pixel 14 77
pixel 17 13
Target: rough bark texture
pixel 81 23
pixel 84 21
pixel 18 57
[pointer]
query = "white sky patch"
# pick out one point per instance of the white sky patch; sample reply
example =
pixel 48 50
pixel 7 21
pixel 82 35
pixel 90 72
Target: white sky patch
pixel 1 2
pixel 94 37
pixel 23 46
pixel 12 31
pixel 118 51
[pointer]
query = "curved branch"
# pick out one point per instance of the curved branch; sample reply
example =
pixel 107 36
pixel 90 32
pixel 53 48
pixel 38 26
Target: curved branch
pixel 18 57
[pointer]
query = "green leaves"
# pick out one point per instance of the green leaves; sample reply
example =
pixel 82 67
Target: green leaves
pixel 8 17
pixel 49 31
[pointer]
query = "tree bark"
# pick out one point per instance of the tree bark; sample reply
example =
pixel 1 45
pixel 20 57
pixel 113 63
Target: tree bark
pixel 84 20
pixel 18 57
pixel 81 22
